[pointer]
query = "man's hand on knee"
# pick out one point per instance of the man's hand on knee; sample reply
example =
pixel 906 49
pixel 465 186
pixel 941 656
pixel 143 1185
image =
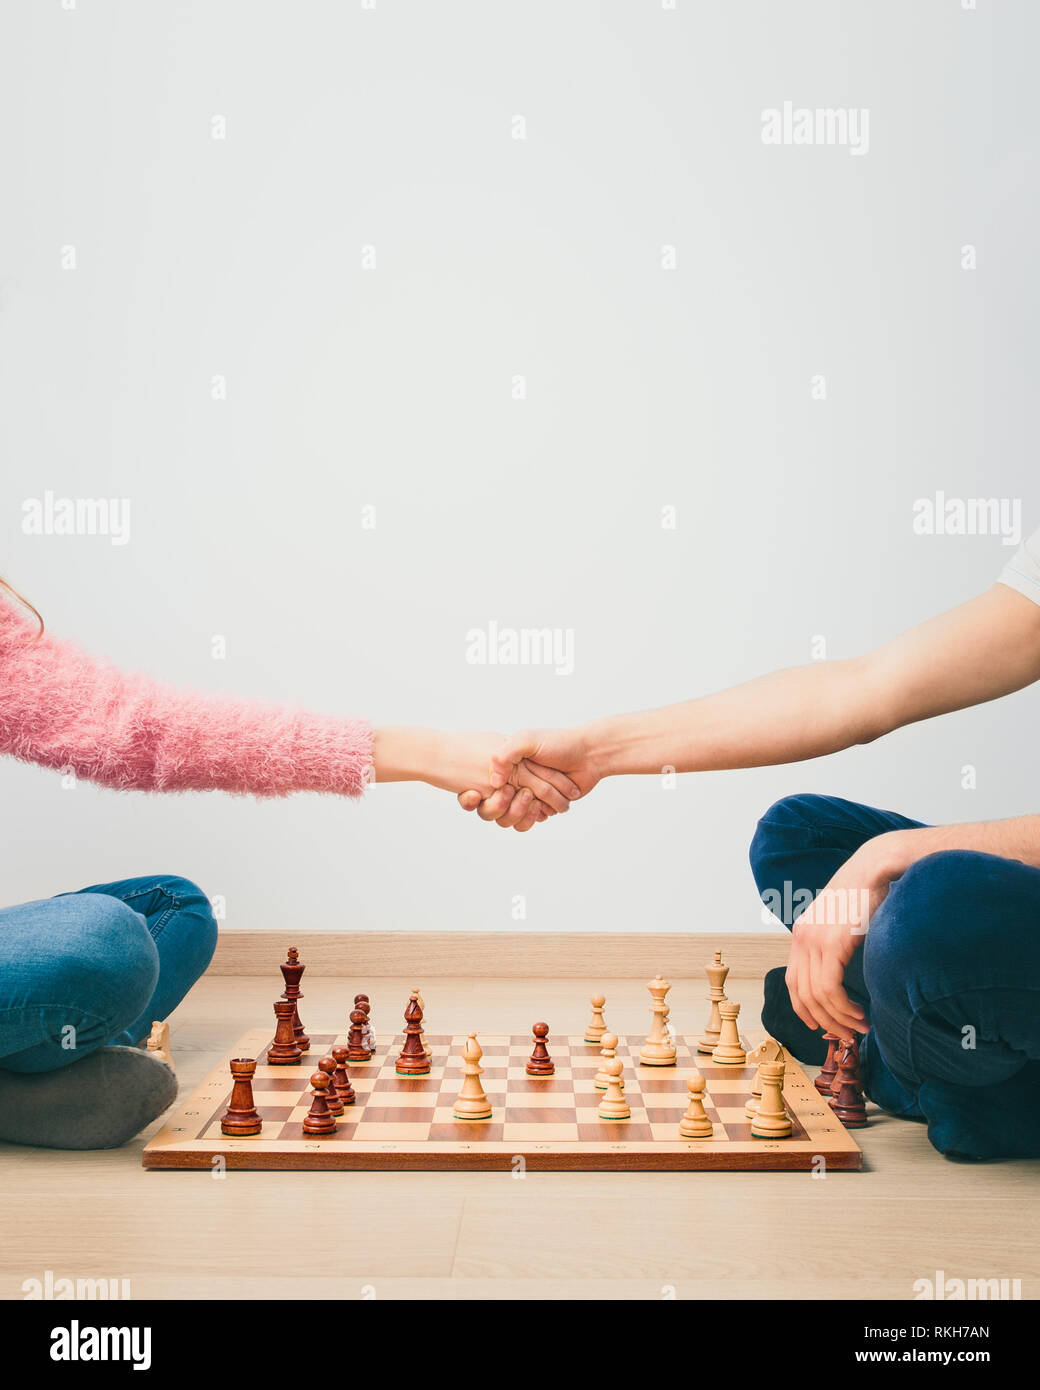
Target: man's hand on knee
pixel 824 939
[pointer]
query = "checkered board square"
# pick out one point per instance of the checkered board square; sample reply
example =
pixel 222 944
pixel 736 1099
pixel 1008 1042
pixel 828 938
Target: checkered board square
pixel 551 1122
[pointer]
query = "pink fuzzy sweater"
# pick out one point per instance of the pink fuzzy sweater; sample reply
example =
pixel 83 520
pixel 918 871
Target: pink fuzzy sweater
pixel 62 708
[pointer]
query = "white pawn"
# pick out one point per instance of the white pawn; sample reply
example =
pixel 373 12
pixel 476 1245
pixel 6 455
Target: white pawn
pixel 729 1049
pixel 614 1106
pixel 695 1124
pixel 608 1051
pixel 596 1026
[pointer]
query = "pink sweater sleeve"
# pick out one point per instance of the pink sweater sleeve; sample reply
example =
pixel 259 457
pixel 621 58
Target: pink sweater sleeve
pixel 61 707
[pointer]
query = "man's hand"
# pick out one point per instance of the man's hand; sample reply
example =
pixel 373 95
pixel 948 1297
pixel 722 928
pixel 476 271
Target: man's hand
pixel 566 750
pixel 830 931
pixel 528 792
pixel 545 761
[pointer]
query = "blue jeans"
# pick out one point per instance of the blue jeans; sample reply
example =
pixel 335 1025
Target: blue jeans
pixel 98 966
pixel 948 973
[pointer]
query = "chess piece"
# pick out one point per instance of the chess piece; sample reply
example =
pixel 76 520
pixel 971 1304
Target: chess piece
pixel 729 1049
pixel 847 1090
pixel 319 1120
pixel 756 1094
pixel 332 1096
pixel 830 1067
pixel 540 1063
pixel 607 1051
pixel 614 1106
pixel 596 1027
pixel 291 971
pixel 241 1117
pixel 695 1124
pixel 368 1037
pixel 422 1031
pixel 158 1043
pixel 767 1051
pixel 284 1051
pixel 413 1060
pixel 368 1033
pixel 472 1103
pixel 658 1050
pixel 356 1049
pixel 341 1080
pixel 716 973
pixel 771 1120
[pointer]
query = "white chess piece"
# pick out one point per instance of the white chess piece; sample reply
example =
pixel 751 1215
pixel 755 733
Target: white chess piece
pixel 716 974
pixel 614 1105
pixel 608 1050
pixel 657 1051
pixel 771 1120
pixel 729 1050
pixel 158 1042
pixel 695 1124
pixel 596 1026
pixel 472 1102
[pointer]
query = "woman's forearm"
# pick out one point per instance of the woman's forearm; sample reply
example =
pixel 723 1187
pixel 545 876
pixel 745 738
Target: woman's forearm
pixel 62 708
pixel 404 754
pixel 454 762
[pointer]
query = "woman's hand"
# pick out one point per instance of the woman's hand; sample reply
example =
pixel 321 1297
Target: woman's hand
pixel 829 932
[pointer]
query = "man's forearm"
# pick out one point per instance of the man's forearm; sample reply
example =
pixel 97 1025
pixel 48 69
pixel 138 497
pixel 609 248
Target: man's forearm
pixel 894 852
pixel 979 651
pixel 784 717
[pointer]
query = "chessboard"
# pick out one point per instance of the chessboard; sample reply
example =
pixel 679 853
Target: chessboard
pixel 548 1122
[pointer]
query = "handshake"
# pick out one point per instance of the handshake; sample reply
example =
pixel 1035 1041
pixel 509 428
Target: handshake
pixel 515 782
pixel 532 776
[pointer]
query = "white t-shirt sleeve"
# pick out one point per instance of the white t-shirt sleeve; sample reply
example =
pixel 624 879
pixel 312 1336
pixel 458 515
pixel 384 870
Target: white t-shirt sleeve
pixel 1022 572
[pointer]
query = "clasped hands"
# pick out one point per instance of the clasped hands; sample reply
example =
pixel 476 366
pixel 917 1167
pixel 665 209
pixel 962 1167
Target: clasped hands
pixel 530 776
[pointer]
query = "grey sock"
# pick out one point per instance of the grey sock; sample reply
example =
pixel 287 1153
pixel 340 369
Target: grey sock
pixel 98 1103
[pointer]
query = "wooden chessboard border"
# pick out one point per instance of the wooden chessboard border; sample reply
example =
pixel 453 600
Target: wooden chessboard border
pixel 190 1137
pixel 527 955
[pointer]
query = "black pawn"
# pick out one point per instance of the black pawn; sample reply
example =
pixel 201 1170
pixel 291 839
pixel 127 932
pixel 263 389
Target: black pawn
pixel 540 1063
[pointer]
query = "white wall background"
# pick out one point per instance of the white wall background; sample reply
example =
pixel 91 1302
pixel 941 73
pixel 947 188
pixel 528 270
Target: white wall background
pixel 392 127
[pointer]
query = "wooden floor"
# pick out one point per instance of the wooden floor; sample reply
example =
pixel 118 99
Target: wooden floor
pixel 189 1235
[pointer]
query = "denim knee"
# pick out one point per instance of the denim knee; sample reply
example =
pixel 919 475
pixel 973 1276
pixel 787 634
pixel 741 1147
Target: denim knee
pixel 187 893
pixel 113 964
pixel 785 854
pixel 92 975
pixel 799 812
pixel 934 912
pixel 194 912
